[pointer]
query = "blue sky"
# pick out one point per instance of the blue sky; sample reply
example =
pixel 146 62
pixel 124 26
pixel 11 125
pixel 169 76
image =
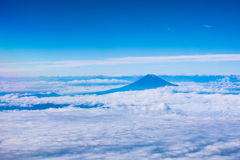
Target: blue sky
pixel 38 31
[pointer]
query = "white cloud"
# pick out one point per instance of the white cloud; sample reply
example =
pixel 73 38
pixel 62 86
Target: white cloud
pixel 150 124
pixel 116 61
pixel 186 100
pixel 7 70
pixel 60 86
pixel 96 81
pixel 72 133
pixel 143 60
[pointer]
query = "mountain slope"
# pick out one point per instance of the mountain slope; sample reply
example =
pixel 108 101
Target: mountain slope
pixel 149 81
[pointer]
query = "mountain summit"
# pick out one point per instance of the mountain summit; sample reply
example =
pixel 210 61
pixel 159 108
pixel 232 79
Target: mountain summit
pixel 149 81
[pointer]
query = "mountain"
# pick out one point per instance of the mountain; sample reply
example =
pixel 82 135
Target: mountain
pixel 149 81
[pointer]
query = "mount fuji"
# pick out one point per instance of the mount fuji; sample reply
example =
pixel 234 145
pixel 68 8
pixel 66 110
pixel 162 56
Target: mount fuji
pixel 149 81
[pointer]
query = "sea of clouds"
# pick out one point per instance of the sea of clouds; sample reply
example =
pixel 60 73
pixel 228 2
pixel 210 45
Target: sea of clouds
pixel 199 119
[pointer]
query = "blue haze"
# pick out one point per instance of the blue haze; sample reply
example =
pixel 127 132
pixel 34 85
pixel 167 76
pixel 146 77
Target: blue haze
pixel 55 55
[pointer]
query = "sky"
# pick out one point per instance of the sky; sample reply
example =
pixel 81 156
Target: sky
pixel 119 37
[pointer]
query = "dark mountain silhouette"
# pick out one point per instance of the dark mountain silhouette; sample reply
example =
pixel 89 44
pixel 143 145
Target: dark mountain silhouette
pixel 149 81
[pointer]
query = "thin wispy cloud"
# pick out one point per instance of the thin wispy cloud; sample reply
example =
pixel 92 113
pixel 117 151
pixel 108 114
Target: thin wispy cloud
pixel 207 26
pixel 10 67
pixel 144 60
pixel 170 29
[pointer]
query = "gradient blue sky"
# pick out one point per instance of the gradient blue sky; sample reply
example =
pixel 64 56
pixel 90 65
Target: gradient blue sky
pixel 37 34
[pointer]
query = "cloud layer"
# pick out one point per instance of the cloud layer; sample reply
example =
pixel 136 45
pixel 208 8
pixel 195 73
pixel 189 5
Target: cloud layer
pixel 142 60
pixel 192 121
pixel 29 66
pixel 61 87
pixel 72 133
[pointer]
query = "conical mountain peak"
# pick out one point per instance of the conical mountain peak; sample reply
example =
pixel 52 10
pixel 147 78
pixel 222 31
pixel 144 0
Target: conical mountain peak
pixel 150 75
pixel 149 81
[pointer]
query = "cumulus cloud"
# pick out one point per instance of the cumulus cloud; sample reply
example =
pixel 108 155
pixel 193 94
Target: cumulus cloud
pixel 192 121
pixel 190 99
pixel 72 133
